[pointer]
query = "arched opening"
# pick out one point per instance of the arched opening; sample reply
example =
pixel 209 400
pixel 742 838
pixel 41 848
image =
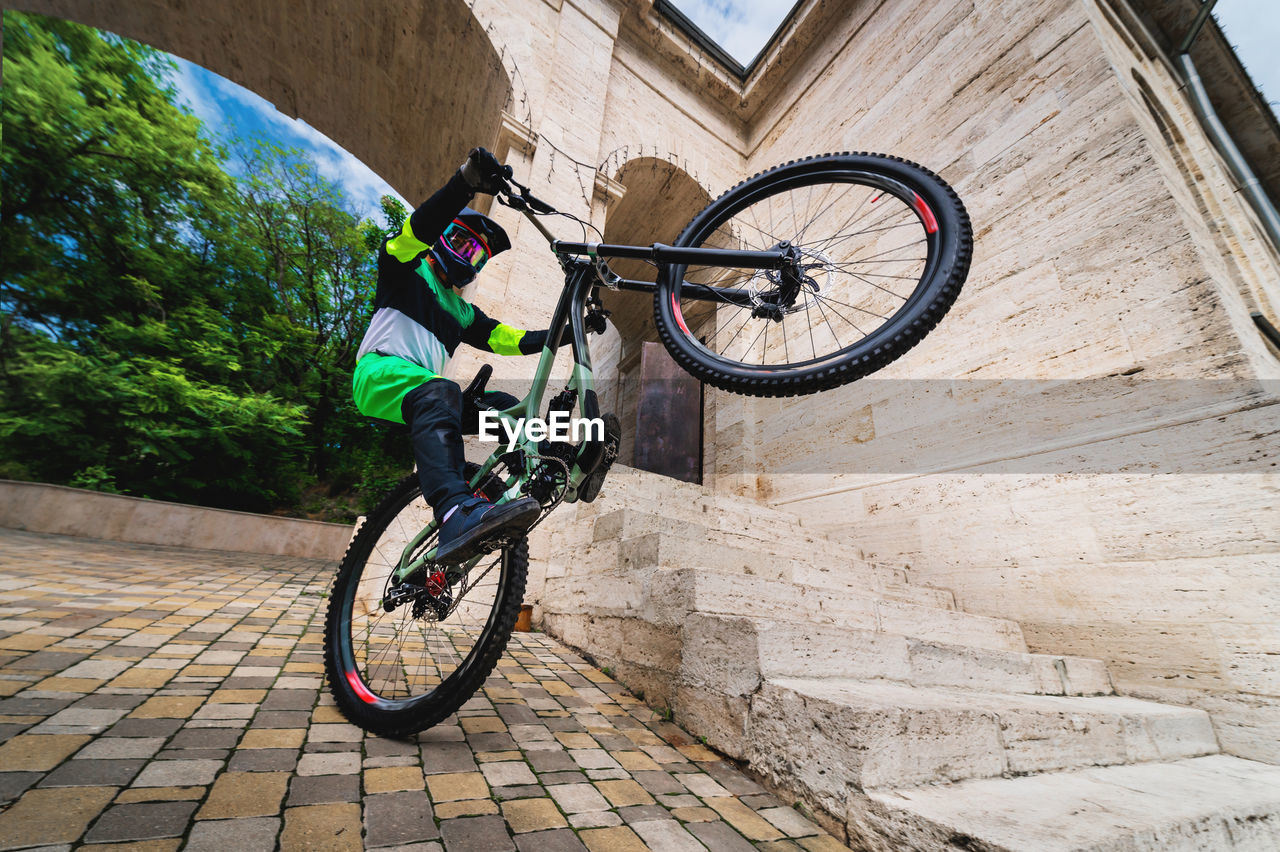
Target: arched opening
pixel 376 77
pixel 660 200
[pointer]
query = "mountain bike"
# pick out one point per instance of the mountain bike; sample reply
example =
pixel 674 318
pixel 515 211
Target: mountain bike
pixel 804 277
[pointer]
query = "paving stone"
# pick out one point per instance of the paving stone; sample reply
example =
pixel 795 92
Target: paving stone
pixel 457 786
pixel 392 778
pixel 694 813
pixel 595 819
pixel 168 707
pixel 160 794
pixel 51 815
pixel 467 807
pixel 507 774
pixel 263 760
pixel 525 815
pixel 245 794
pixel 331 748
pixel 334 734
pixel 624 792
pixel 641 813
pixel 12 784
pixel 396 818
pixel 281 719
pixel 120 748
pixel 667 834
pixel 578 798
pixel 337 763
pixel 382 747
pixel 520 791
pixel 39 752
pixel 178 773
pixel 318 789
pixel 476 834
pixel 745 820
pixel 144 728
pixel 549 778
pixel 760 801
pixel 93 773
pixel 290 699
pixel 205 738
pixel 821 843
pixel 617 839
pixel 393 760
pixel 142 822
pixel 789 822
pixel 719 837
pixel 326 827
pixel 658 782
pixel 559 840
pixel 257 834
pixel 273 738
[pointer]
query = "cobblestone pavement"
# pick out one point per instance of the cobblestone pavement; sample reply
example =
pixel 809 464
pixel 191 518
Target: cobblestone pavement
pixel 156 698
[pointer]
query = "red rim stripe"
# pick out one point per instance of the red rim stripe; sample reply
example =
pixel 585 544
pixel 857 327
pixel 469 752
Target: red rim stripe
pixel 930 223
pixel 360 689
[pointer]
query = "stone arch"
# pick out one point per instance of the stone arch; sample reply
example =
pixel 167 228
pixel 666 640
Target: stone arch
pixel 658 198
pixel 372 75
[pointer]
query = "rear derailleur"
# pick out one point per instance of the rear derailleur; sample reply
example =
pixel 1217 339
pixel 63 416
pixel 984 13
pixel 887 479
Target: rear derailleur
pixel 433 594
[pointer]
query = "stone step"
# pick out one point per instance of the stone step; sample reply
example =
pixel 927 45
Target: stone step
pixel 1216 802
pixel 732 655
pixel 625 582
pixel 649 492
pixel 806 547
pixel 646 540
pixel 735 594
pixel 826 733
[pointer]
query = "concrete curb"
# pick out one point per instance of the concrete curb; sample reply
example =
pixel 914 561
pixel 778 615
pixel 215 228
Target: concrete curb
pixel 38 507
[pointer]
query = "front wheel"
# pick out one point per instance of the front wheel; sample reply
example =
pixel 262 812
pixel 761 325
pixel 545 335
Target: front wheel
pixel 400 658
pixel 878 247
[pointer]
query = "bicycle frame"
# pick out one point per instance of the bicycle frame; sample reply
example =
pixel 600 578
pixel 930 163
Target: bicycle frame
pixel 581 277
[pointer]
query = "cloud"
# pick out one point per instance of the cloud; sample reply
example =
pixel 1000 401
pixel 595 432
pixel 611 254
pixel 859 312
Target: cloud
pixel 741 27
pixel 230 110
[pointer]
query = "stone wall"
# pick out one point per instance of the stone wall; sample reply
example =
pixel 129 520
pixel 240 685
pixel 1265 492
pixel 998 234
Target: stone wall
pixel 1108 248
pixel 37 507
pixel 1111 247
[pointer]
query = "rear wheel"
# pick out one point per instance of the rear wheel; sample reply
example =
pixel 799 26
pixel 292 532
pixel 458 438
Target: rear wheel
pixel 400 658
pixel 878 247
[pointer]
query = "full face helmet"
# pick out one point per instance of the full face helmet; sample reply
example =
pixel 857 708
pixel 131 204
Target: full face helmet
pixel 466 245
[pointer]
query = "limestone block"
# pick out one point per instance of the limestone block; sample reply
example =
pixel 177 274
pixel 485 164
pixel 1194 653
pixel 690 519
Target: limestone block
pixel 827 733
pixel 1201 803
pixel 721 718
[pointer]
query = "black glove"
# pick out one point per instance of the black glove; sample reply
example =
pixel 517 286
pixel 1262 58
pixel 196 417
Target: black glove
pixel 483 172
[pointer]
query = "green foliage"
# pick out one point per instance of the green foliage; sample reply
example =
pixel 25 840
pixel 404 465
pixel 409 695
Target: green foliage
pixel 166 330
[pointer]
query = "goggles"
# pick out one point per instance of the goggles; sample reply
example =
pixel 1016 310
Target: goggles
pixel 466 245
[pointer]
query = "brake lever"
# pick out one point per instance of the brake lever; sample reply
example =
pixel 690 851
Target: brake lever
pixel 518 202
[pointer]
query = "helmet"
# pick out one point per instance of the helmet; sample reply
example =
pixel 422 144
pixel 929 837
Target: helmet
pixel 466 245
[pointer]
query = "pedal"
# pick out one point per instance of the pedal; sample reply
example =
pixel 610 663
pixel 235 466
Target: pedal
pixel 589 490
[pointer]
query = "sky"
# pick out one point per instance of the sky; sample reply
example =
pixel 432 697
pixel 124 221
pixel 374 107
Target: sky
pixel 230 110
pixel 741 27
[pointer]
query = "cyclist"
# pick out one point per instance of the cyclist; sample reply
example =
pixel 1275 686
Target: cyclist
pixel 420 318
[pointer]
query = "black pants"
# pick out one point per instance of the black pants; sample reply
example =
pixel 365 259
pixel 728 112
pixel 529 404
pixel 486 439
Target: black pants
pixel 438 418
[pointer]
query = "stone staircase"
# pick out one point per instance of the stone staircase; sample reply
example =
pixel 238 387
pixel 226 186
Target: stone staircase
pixel 898 718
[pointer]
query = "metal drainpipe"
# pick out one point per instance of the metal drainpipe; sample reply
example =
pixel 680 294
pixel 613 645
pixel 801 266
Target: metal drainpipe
pixel 1248 181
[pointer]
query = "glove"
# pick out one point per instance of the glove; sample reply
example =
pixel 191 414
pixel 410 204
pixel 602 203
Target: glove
pixel 483 172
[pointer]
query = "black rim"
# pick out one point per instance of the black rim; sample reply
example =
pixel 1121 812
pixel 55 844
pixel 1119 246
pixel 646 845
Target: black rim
pixel 368 690
pixel 880 272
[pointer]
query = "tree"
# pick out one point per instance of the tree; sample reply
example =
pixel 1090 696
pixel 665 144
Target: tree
pixel 136 348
